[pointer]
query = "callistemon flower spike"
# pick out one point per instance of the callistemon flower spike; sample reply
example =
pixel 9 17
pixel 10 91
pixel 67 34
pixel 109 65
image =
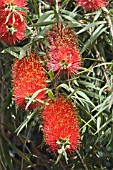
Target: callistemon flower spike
pixel 28 77
pixel 60 126
pixel 9 7
pixel 59 36
pixel 13 22
pixel 12 31
pixel 63 52
pixel 92 5
pixel 12 3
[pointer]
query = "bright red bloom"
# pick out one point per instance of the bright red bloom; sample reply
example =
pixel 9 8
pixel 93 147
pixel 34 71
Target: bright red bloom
pixel 65 58
pixel 12 21
pixel 17 3
pixel 60 123
pixel 11 7
pixel 59 36
pixel 28 77
pixel 13 30
pixel 92 5
pixel 63 51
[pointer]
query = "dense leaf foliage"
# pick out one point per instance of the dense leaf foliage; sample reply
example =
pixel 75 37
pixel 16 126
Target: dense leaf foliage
pixel 90 88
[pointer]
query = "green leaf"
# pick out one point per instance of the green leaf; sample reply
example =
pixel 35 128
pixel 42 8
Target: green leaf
pixel 65 86
pixel 21 154
pixel 93 37
pixel 2 161
pixel 26 121
pixel 88 84
pixel 99 119
pixel 83 95
pixel 36 39
pixel 60 151
pixel 64 3
pixel 8 158
pixel 93 117
pixel 45 16
pixel 69 18
pixel 6 102
pixel 104 125
pixel 36 6
pixel 33 97
pixel 50 94
pixel 92 94
pixel 65 156
pixel 45 23
pixel 51 74
pixel 59 157
pixel 91 25
pixel 98 13
pixel 55 13
pixel 103 64
pixel 17 52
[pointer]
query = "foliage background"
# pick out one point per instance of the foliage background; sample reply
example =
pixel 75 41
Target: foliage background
pixel 21 141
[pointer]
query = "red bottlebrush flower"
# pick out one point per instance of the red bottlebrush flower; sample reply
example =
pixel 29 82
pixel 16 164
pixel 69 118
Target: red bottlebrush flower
pixel 63 51
pixel 92 5
pixel 65 58
pixel 60 125
pixel 13 30
pixel 9 3
pixel 59 36
pixel 28 77
pixel 12 21
pixel 11 7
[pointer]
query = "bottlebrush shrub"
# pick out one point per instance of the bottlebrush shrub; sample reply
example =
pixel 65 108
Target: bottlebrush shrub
pixel 28 76
pixel 12 21
pixel 61 126
pixel 92 5
pixel 63 52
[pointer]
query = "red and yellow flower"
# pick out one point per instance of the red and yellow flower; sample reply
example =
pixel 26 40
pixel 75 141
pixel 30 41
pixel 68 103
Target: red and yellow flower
pixel 12 31
pixel 12 21
pixel 12 3
pixel 61 126
pixel 28 77
pixel 92 5
pixel 63 52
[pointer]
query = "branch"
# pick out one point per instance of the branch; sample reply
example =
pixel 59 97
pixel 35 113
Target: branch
pixel 82 161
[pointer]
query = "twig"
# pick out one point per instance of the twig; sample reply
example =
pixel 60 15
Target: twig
pixel 40 10
pixel 109 23
pixel 57 6
pixel 99 57
pixel 108 20
pixel 1 105
pixel 82 161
